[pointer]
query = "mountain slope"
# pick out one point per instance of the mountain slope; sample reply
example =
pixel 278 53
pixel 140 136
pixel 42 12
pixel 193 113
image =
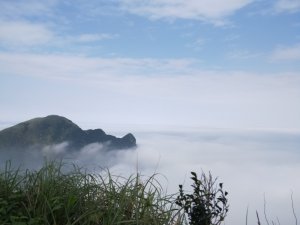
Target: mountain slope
pixel 55 129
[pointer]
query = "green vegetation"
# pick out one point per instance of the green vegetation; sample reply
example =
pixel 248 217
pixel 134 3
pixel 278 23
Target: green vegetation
pixel 207 205
pixel 51 196
pixel 59 195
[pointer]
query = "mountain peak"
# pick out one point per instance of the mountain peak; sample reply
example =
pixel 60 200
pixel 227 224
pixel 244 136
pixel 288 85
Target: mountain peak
pixel 54 129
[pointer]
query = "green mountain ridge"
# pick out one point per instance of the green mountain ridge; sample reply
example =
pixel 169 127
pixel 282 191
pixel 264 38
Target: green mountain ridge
pixel 55 129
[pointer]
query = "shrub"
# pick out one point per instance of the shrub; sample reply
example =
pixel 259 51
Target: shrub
pixel 207 205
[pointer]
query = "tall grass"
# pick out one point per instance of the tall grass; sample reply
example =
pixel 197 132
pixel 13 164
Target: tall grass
pixel 58 194
pixel 52 196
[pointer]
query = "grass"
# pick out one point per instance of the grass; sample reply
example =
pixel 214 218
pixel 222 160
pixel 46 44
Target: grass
pixel 59 195
pixel 52 196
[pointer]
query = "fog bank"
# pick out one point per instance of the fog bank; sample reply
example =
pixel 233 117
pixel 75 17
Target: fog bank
pixel 252 164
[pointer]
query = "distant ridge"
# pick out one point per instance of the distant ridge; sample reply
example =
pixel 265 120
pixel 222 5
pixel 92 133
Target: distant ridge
pixel 53 129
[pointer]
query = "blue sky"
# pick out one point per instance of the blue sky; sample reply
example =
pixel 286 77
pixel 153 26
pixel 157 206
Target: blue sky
pixel 209 63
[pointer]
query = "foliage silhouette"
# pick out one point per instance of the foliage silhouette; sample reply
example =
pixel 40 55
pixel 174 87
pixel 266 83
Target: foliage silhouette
pixel 207 205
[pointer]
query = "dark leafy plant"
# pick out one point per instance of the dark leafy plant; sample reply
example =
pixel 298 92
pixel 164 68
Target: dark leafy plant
pixel 207 204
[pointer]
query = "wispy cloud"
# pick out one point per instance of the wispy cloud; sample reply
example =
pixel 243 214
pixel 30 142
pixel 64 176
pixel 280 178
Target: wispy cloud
pixel 210 11
pixel 93 37
pixel 37 24
pixel 21 9
pixel 243 54
pixel 72 67
pixel 232 38
pixel 27 35
pixel 24 33
pixel 198 44
pixel 286 53
pixel 287 6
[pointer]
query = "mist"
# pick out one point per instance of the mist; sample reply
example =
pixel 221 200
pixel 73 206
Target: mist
pixel 253 165
pixel 94 156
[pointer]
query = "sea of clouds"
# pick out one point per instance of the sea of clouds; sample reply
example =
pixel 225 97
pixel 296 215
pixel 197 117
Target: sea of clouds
pixel 257 167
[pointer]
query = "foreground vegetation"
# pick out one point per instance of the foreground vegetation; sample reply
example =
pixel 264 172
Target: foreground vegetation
pixel 51 196
pixel 58 195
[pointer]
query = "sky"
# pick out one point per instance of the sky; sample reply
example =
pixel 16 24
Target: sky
pixel 202 84
pixel 209 63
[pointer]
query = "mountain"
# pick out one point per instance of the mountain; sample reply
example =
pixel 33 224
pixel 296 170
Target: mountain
pixel 55 129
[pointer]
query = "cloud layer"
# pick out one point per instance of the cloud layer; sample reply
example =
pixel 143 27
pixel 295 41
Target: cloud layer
pixel 250 163
pixel 161 91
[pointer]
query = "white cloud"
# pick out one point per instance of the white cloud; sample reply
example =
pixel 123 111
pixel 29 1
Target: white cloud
pixel 287 5
pixel 55 150
pixel 207 10
pixel 243 54
pixel 250 163
pixel 94 37
pixel 21 9
pixel 161 91
pixel 291 53
pixel 24 33
pixel 72 67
